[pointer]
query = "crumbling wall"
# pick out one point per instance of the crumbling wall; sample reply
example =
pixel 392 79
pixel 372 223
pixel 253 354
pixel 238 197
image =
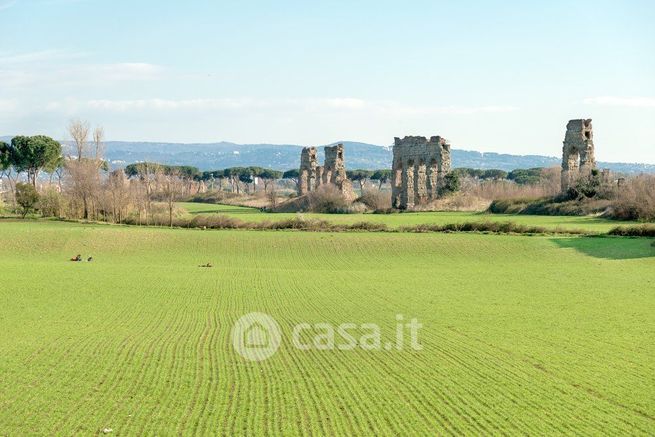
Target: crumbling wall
pixel 419 168
pixel 334 167
pixel 332 172
pixel 578 158
pixel 307 174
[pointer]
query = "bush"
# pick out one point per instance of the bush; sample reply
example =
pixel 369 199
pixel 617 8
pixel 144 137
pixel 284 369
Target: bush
pixel 486 226
pixel 215 222
pixel 376 200
pixel 461 201
pixel 586 186
pixel 550 206
pixel 451 183
pixel 300 223
pixel 634 231
pixel 51 203
pixel 631 199
pixel 635 199
pixel 387 211
pixel 368 226
pixel 213 197
pixel 26 197
pixel 526 176
pixel 328 199
pixel 505 189
pixel 511 206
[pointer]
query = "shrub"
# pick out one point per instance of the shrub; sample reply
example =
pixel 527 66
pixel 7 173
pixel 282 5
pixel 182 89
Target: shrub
pixel 503 189
pixel 26 197
pixel 368 226
pixel 328 199
pixel 550 206
pixel 632 199
pixel 356 208
pixel 635 199
pixel 451 183
pixel 376 199
pixel 634 231
pixel 300 223
pixel 215 222
pixel 213 197
pixel 526 176
pixel 387 211
pixel 487 226
pixel 51 203
pixel 511 206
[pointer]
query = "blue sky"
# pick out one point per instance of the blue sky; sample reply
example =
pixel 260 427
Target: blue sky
pixel 491 76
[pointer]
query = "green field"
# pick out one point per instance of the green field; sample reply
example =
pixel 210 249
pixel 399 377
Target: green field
pixel 521 334
pixel 591 224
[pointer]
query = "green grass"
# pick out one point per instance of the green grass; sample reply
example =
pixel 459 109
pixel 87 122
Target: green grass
pixel 522 335
pixel 592 224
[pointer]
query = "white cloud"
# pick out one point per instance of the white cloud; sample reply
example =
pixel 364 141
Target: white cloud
pixel 7 4
pixel 9 58
pixel 343 103
pixel 331 105
pixel 450 110
pixel 247 119
pixel 118 72
pixel 7 105
pixel 32 69
pixel 630 102
pixel 171 105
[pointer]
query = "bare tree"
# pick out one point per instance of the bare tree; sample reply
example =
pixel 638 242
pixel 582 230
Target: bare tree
pixel 12 179
pixel 79 132
pixel 272 195
pixel 118 189
pixel 146 187
pixel 84 170
pixel 84 184
pixel 171 185
pixel 60 171
pixel 98 138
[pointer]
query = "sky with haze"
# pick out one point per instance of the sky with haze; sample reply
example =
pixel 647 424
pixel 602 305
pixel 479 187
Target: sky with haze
pixel 493 76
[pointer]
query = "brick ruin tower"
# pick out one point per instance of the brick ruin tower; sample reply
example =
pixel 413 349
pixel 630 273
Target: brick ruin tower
pixel 333 171
pixel 419 168
pixel 307 175
pixel 578 153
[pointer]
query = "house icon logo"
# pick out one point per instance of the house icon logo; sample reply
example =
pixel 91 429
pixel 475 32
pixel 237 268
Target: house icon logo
pixel 256 336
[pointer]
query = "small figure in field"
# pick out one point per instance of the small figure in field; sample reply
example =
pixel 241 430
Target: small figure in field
pixel 78 258
pixel 208 265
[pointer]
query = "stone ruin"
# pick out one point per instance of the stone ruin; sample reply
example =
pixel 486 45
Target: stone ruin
pixel 419 168
pixel 578 154
pixel 333 171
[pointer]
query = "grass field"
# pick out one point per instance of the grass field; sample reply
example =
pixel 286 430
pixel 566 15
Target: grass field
pixel 521 335
pixel 592 224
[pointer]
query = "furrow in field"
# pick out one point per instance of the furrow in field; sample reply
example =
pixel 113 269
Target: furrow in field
pixel 198 377
pixel 344 359
pixel 87 350
pixel 145 396
pixel 525 367
pixel 123 368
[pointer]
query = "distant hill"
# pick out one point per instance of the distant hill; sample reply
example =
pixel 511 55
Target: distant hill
pixel 208 156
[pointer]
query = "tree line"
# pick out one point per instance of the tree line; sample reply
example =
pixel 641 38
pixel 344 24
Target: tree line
pixel 78 182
